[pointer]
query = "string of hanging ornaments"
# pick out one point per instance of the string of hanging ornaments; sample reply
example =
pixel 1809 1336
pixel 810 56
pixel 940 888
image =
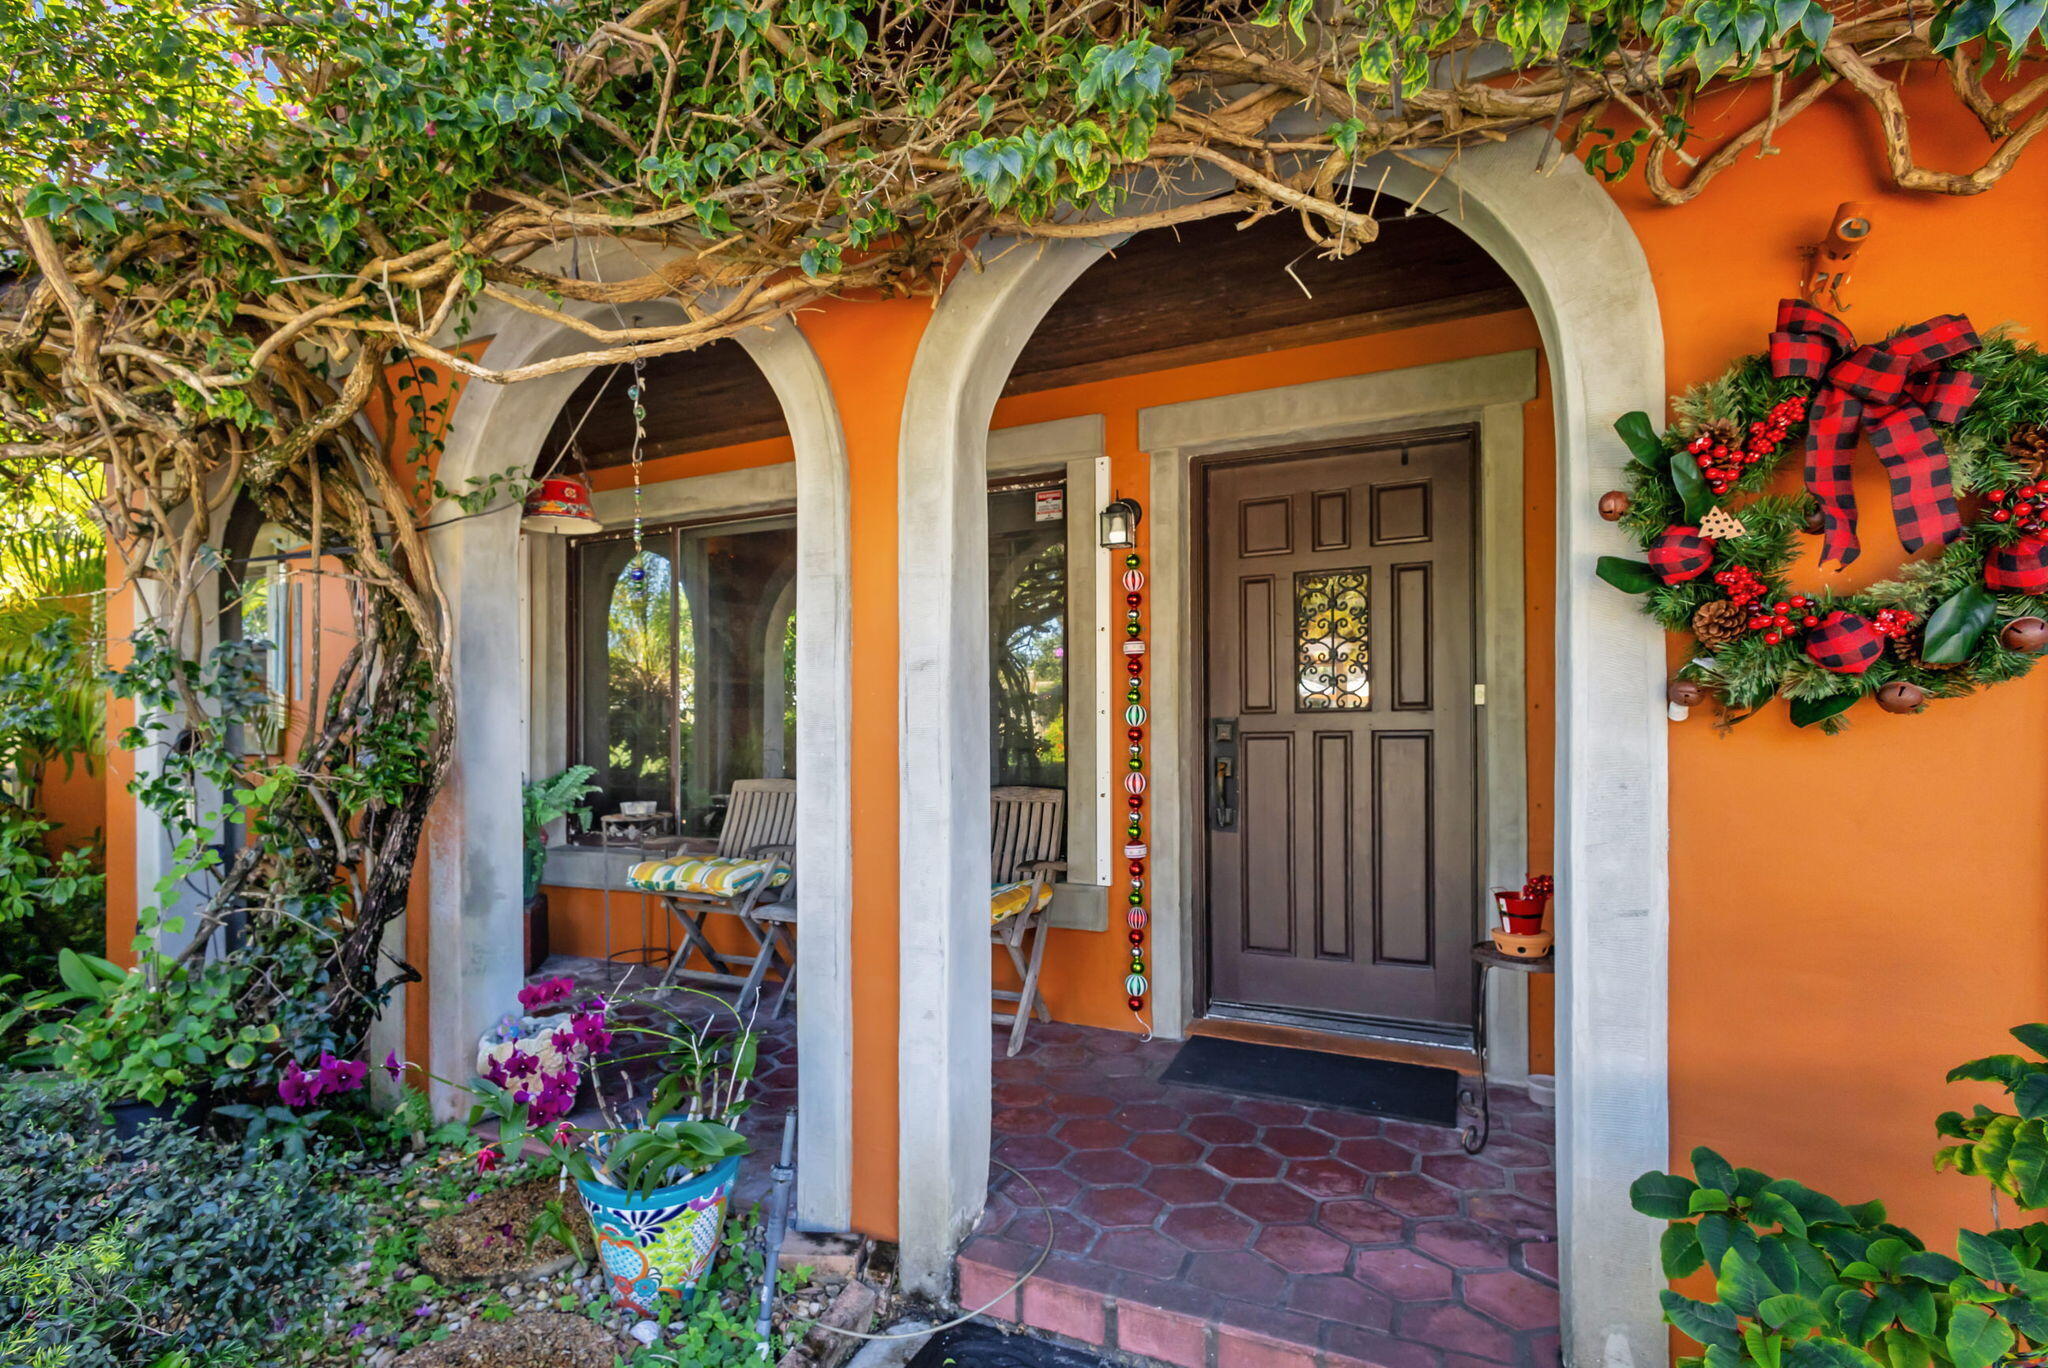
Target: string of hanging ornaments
pixel 1960 424
pixel 1119 531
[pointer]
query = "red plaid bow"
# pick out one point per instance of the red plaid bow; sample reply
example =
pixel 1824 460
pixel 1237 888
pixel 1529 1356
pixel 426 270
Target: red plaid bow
pixel 1896 391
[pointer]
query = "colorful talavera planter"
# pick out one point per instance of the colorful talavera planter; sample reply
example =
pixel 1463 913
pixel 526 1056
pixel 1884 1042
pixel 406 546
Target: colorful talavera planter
pixel 662 1242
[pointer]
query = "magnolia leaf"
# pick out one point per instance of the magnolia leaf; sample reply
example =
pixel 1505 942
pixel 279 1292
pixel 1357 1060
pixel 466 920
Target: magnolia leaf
pixel 1954 629
pixel 1631 577
pixel 1807 711
pixel 1642 439
pixel 1693 493
pixel 1794 1315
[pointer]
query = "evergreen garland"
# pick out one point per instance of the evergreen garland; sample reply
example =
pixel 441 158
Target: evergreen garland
pixel 1747 673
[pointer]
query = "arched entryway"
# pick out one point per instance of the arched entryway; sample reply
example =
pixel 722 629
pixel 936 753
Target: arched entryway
pixel 1568 249
pixel 474 893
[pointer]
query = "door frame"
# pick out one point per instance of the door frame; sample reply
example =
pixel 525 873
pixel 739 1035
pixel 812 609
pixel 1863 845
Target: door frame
pixel 1485 392
pixel 1505 634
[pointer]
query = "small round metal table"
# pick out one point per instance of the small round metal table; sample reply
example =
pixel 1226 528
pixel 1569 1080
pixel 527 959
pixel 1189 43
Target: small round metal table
pixel 1472 1101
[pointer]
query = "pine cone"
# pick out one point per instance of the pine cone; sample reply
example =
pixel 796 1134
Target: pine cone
pixel 1719 623
pixel 2027 443
pixel 1719 432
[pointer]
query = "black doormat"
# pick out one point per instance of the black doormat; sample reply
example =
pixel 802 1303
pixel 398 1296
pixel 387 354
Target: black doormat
pixel 978 1344
pixel 1377 1087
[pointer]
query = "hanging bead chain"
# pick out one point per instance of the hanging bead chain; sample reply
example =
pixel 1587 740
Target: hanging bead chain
pixel 635 392
pixel 1136 918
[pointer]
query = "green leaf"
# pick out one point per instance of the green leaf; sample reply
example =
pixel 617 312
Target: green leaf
pixel 1680 1249
pixel 1827 1353
pixel 240 1056
pixel 1976 1338
pixel 1987 1258
pixel 1794 1315
pixel 1807 711
pixel 1929 1266
pixel 1693 493
pixel 1710 1170
pixel 1631 577
pixel 1954 629
pixel 1705 1200
pixel 1707 1322
pixel 1643 442
pixel 2033 1035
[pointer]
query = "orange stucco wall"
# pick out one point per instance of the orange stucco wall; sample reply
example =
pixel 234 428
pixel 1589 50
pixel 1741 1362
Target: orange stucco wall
pixel 1852 915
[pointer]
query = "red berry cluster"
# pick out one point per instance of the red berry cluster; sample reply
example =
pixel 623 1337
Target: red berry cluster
pixel 1740 584
pixel 1785 618
pixel 2026 507
pixel 1722 463
pixel 1893 623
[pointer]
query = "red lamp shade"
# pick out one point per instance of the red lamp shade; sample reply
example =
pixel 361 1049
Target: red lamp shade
pixel 560 504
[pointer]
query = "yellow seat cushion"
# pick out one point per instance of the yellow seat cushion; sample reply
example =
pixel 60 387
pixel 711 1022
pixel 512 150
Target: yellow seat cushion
pixel 1007 900
pixel 709 875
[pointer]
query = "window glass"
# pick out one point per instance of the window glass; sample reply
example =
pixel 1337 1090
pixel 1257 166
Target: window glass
pixel 1027 576
pixel 685 671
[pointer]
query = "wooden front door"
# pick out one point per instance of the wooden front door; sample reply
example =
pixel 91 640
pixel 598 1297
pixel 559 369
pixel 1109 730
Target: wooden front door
pixel 1340 733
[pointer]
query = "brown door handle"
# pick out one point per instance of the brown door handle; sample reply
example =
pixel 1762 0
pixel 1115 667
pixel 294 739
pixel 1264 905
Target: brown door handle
pixel 1223 800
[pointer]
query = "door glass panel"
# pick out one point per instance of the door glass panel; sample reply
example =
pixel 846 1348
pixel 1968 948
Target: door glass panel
pixel 1332 628
pixel 1027 619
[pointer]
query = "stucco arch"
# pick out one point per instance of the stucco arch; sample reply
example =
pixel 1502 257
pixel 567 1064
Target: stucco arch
pixel 474 835
pixel 1572 253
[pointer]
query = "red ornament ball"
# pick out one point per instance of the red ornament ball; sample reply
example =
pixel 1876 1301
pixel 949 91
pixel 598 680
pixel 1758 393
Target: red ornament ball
pixel 1844 643
pixel 1137 1004
pixel 1680 554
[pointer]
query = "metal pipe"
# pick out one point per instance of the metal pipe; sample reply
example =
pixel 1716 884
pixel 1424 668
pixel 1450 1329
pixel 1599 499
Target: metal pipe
pixel 783 1173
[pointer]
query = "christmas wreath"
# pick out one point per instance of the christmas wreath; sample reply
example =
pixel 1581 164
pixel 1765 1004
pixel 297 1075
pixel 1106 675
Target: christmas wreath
pixel 1956 421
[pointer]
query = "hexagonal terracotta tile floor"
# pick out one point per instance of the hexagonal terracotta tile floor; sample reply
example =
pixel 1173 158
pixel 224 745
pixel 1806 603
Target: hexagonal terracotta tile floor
pixel 1212 1231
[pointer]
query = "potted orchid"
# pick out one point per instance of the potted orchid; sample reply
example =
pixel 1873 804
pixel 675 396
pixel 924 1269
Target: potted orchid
pixel 656 1176
pixel 655 1179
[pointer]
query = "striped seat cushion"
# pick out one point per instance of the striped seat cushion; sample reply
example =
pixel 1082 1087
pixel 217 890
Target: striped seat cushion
pixel 711 875
pixel 1007 900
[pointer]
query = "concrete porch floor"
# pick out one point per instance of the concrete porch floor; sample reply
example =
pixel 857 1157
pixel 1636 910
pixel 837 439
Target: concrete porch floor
pixel 1213 1231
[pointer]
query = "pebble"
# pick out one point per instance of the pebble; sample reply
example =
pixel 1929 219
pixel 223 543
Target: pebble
pixel 647 1332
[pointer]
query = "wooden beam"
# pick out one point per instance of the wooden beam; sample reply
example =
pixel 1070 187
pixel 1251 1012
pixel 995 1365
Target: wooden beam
pixel 1496 300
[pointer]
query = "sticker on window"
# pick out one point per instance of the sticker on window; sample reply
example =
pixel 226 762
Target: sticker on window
pixel 1049 505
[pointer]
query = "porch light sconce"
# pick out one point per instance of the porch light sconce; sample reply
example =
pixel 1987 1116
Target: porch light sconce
pixel 560 503
pixel 1120 520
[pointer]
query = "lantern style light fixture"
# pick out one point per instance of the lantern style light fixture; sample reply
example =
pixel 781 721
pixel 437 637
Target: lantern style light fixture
pixel 1120 519
pixel 560 503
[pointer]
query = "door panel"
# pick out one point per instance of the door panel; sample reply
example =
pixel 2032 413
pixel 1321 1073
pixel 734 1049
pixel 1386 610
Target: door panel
pixel 1339 642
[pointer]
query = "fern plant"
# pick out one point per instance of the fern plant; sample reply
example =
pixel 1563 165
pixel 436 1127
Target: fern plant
pixel 550 800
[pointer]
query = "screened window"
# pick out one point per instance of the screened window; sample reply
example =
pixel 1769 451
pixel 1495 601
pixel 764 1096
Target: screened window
pixel 684 663
pixel 1027 576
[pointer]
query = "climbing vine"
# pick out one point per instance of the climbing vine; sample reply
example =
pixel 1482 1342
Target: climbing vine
pixel 227 230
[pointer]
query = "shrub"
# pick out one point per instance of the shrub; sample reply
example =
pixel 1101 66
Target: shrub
pixel 170 1241
pixel 1802 1280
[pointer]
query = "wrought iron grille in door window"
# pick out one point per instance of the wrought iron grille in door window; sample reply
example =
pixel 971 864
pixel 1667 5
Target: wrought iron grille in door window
pixel 1332 640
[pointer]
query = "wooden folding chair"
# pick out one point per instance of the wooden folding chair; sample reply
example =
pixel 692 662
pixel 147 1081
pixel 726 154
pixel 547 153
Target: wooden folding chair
pixel 760 824
pixel 1027 833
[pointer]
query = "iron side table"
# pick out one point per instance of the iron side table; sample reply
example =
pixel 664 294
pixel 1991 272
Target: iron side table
pixel 1473 1101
